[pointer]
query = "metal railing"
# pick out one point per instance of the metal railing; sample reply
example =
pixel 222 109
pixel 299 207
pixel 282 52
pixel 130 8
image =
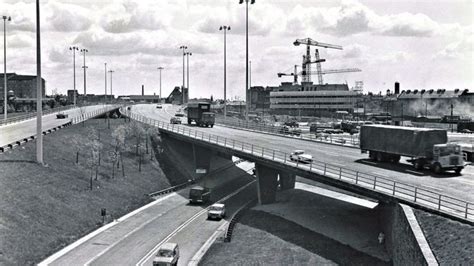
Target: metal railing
pixel 417 195
pixel 88 115
pixel 278 130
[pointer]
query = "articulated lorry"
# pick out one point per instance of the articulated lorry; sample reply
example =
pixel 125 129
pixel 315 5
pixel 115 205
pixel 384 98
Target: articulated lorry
pixel 201 114
pixel 425 147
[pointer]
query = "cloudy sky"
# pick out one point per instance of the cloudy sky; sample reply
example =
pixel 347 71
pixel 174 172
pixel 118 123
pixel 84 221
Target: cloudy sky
pixel 422 44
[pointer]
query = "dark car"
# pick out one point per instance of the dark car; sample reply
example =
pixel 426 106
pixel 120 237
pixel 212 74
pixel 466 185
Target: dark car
pixel 61 116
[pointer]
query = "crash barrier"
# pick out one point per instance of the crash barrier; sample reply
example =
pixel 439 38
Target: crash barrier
pixel 235 219
pixel 414 195
pixel 13 145
pixel 352 141
pixel 88 115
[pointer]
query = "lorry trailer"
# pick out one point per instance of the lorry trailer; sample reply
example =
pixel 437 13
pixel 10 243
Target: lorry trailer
pixel 426 147
pixel 201 114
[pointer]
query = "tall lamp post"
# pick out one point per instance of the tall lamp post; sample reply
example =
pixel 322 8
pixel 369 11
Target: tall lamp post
pixel 160 68
pixel 5 19
pixel 84 51
pixel 183 47
pixel 187 71
pixel 74 49
pixel 111 91
pixel 225 29
pixel 39 90
pixel 105 81
pixel 247 55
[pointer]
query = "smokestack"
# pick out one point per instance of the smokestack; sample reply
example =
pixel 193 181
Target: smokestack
pixel 397 87
pixel 143 90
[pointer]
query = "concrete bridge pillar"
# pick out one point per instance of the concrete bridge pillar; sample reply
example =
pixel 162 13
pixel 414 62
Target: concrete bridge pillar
pixel 266 184
pixel 287 180
pixel 202 160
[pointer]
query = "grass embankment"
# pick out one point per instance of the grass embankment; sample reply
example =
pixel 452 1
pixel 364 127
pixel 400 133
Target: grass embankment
pixel 452 242
pixel 44 208
pixel 261 238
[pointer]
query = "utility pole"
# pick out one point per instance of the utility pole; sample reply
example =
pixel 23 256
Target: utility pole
pixel 247 100
pixel 74 49
pixel 5 19
pixel 452 127
pixel 187 74
pixel 160 68
pixel 225 28
pixel 105 80
pixel 111 91
pixel 84 51
pixel 183 47
pixel 39 90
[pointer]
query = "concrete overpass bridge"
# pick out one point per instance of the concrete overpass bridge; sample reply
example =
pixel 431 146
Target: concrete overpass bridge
pixel 272 164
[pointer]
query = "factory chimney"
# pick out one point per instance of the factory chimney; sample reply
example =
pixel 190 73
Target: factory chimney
pixel 143 90
pixel 397 88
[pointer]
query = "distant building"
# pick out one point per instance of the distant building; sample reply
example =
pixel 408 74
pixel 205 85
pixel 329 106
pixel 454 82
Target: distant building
pixel 176 97
pixel 23 86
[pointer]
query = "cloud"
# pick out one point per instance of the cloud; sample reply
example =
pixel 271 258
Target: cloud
pixel 457 50
pixel 20 41
pixel 407 24
pixel 67 18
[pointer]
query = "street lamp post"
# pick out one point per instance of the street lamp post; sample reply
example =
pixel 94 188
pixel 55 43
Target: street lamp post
pixel 247 55
pixel 105 80
pixel 225 29
pixel 5 19
pixel 183 47
pixel 84 51
pixel 187 71
pixel 160 68
pixel 39 91
pixel 111 91
pixel 74 49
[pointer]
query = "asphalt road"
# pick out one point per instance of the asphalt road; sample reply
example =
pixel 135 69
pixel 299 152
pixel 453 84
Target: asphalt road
pixel 135 240
pixel 450 184
pixel 24 129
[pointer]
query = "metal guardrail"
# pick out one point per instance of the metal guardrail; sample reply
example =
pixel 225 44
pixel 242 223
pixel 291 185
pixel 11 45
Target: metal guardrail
pixel 416 195
pixel 235 219
pixel 92 114
pixel 33 115
pixel 277 130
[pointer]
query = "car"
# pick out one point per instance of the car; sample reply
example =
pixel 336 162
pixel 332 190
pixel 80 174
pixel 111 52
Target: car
pixel 159 106
pixel 301 156
pixel 168 254
pixel 61 116
pixel 175 120
pixel 466 131
pixel 216 211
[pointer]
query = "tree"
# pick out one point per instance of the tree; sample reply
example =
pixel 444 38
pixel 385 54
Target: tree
pixel 118 141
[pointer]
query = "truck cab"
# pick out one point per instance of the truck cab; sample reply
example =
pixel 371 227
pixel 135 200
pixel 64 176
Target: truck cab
pixel 447 157
pixel 199 194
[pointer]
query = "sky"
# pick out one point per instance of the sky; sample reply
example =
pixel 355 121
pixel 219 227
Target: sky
pixel 421 44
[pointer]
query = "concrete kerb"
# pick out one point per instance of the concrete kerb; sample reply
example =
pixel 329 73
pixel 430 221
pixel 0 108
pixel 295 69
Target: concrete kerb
pixel 286 136
pixel 203 250
pixel 419 236
pixel 85 238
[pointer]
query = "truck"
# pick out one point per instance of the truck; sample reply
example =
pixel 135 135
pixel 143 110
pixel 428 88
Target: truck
pixel 201 114
pixel 199 194
pixel 425 147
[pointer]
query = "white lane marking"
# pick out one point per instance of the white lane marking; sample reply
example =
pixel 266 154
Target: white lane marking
pixel 370 162
pixel 183 225
pixel 72 246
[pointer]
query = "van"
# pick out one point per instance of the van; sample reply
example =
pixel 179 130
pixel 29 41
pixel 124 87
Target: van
pixel 199 194
pixel 168 254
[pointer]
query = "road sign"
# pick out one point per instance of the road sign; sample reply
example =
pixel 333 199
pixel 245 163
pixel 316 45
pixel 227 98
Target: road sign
pixel 201 171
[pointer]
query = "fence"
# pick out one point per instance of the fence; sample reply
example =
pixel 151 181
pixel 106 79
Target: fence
pixel 416 195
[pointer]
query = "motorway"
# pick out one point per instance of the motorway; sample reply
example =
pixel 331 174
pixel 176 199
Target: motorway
pixel 134 240
pixel 17 131
pixel 460 187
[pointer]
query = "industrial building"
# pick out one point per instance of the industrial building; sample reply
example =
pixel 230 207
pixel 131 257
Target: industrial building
pixel 22 86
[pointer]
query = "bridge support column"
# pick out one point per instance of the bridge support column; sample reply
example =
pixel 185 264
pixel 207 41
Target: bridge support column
pixel 266 184
pixel 202 160
pixel 287 180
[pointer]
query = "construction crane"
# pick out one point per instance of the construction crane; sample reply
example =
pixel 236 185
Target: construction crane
pixel 307 58
pixel 319 72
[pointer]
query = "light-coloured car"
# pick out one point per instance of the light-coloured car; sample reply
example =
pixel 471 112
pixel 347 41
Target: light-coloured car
pixel 168 254
pixel 216 211
pixel 301 156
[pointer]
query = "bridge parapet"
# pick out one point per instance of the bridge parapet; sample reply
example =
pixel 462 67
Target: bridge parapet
pixel 364 183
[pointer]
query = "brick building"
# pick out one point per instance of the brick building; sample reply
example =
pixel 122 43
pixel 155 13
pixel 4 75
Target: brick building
pixel 23 86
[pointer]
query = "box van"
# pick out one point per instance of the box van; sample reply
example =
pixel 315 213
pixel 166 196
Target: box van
pixel 199 194
pixel 168 254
